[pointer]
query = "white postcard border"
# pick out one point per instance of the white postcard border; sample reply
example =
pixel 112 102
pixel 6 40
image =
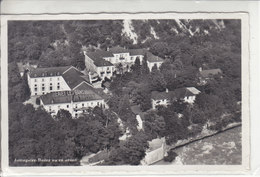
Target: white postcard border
pixel 127 170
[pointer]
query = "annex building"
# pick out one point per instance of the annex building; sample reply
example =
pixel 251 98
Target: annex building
pixel 76 101
pixel 104 63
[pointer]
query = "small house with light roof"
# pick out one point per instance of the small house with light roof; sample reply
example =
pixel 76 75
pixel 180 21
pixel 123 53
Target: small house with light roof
pixel 187 94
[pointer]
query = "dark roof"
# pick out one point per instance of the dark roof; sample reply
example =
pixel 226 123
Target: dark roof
pixel 118 50
pixel 162 95
pixel 68 96
pixel 73 77
pixel 85 95
pixel 176 94
pixel 182 92
pixel 152 58
pixel 207 73
pixel 137 51
pixel 98 56
pixel 57 97
pixel 46 72
pixel 84 86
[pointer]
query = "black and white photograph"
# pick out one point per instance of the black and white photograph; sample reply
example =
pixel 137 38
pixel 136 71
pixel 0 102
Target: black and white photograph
pixel 124 92
pixel 157 92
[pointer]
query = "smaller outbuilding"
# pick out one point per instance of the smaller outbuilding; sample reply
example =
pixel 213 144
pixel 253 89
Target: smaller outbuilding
pixel 187 94
pixel 205 75
pixel 155 152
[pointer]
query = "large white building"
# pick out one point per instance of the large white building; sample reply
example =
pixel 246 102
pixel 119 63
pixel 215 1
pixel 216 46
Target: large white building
pixel 105 62
pixel 46 80
pixel 64 88
pixel 187 94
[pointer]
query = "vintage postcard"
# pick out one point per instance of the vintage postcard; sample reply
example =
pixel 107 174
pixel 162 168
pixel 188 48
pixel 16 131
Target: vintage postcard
pixel 144 93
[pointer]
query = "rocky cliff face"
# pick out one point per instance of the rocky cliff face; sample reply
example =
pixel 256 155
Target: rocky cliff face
pixel 139 31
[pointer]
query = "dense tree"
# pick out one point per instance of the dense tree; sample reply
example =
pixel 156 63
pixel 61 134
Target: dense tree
pixel 154 125
pixel 144 68
pixel 35 134
pixel 136 68
pixel 174 127
pixel 157 81
pixel 131 151
pixel 18 87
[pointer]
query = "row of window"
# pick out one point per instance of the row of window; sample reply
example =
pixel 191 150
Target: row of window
pixel 43 87
pixel 121 57
pixel 76 106
pixel 102 73
pixel 50 79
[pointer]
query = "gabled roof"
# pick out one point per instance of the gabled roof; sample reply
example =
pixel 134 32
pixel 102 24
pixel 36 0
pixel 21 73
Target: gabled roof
pixel 102 62
pixel 152 58
pixel 182 93
pixel 207 73
pixel 118 49
pixel 83 86
pixel 47 72
pixel 56 97
pixel 69 96
pixel 73 77
pixel 85 95
pixel 193 90
pixel 179 93
pixel 137 51
pixel 162 95
pixel 98 56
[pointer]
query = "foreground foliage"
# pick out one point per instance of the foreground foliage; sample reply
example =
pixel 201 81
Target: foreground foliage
pixel 34 134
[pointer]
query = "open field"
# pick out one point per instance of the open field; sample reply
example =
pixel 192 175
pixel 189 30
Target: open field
pixel 221 149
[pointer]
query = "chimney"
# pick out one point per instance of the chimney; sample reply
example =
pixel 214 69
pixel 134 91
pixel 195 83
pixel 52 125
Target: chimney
pixel 107 48
pixel 166 90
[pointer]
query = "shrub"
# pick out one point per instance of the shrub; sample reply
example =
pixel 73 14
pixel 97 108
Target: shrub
pixel 195 130
pixel 171 156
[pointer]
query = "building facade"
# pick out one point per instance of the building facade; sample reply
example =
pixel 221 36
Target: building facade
pixel 105 62
pixel 76 102
pixel 186 94
pixel 46 80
